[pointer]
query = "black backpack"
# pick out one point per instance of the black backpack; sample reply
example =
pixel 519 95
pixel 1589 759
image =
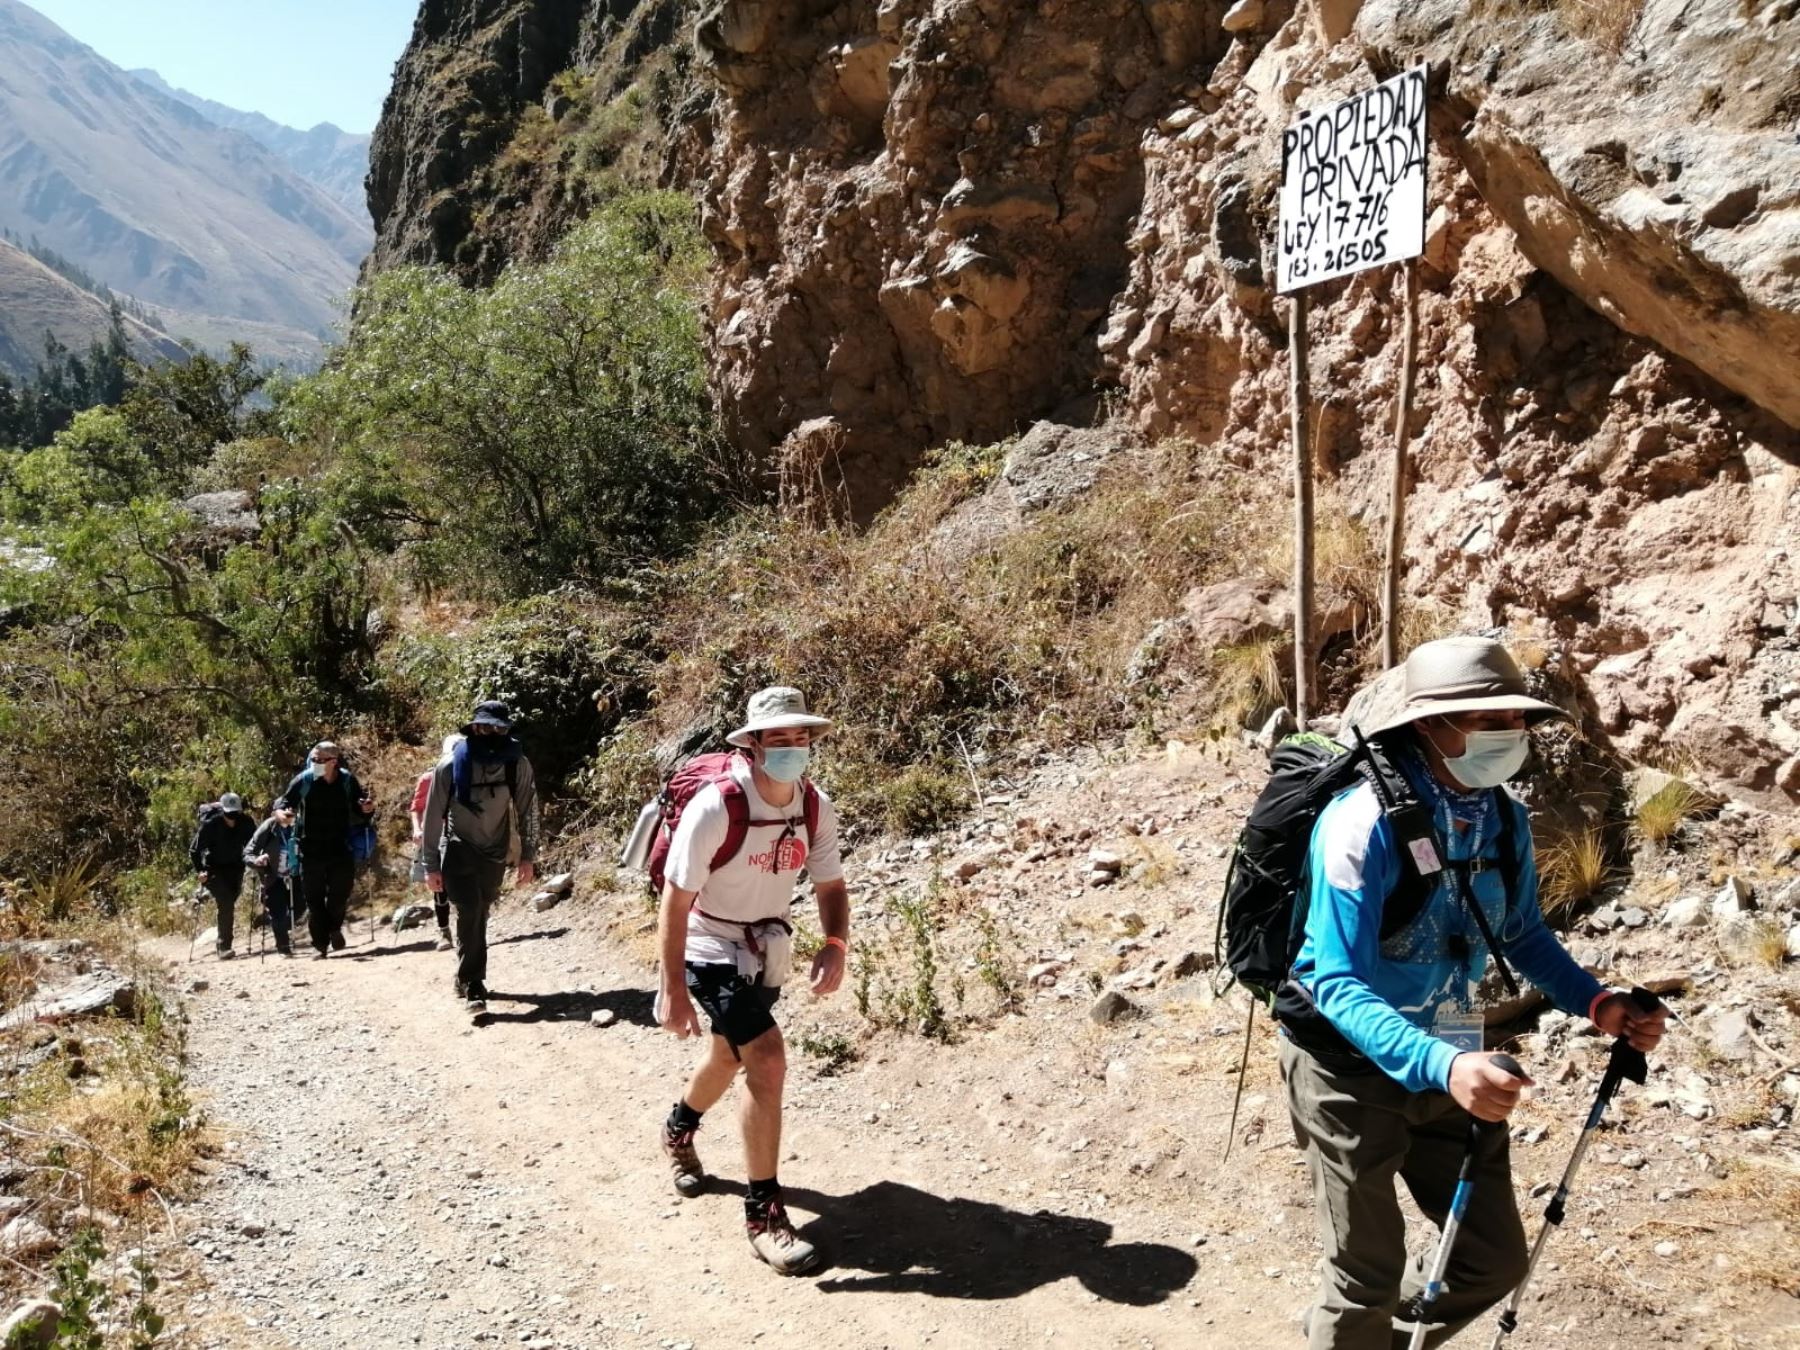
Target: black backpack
pixel 1262 917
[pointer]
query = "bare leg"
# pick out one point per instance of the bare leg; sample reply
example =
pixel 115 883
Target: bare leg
pixel 712 1077
pixel 765 1073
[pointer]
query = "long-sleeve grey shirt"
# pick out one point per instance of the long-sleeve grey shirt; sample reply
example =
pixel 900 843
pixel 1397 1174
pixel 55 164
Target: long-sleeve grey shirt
pixel 488 831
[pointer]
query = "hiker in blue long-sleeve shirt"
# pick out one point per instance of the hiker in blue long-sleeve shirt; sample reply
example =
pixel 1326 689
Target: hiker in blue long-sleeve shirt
pixel 1386 1066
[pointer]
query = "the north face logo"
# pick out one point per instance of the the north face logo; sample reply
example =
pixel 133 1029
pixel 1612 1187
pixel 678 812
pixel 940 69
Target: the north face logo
pixel 787 855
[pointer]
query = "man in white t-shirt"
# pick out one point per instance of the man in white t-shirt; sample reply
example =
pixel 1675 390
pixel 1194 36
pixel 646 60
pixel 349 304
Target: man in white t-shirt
pixel 726 943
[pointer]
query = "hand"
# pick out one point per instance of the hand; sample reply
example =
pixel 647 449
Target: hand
pixel 1619 1015
pixel 262 860
pixel 1483 1089
pixel 434 881
pixel 366 805
pixel 202 876
pixel 678 1014
pixel 827 971
pixel 525 874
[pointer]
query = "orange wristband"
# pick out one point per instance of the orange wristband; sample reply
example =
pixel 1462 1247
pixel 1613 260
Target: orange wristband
pixel 839 943
pixel 1598 999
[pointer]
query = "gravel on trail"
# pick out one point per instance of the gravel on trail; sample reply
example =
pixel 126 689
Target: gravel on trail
pixel 396 1177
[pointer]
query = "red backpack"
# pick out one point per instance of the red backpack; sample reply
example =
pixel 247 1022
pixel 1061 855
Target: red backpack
pixel 715 770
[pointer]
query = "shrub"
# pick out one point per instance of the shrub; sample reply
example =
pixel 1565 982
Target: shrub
pixel 556 426
pixel 568 672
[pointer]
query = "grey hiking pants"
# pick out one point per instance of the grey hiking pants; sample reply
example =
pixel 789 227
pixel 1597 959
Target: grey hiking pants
pixel 1361 1133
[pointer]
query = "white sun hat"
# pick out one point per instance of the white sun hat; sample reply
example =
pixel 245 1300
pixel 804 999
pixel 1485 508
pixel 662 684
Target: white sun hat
pixel 775 709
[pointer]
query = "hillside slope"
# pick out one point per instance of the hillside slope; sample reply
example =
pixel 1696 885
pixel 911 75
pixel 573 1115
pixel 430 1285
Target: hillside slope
pixel 35 301
pixel 942 220
pixel 156 201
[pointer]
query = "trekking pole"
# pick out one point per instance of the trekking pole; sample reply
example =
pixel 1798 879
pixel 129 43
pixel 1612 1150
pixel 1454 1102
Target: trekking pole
pixel 1459 1206
pixel 1625 1062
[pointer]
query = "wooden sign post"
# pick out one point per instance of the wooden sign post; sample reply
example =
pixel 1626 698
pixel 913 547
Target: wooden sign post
pixel 1352 197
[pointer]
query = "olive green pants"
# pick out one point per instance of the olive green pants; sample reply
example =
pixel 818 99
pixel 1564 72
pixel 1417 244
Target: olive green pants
pixel 1361 1132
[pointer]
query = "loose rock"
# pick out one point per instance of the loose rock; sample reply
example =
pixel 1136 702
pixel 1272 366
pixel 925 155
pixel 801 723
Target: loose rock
pixel 31 1325
pixel 1112 1006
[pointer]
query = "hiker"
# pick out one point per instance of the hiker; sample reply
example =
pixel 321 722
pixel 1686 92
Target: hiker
pixel 421 799
pixel 733 857
pixel 329 804
pixel 1382 1053
pixel 268 853
pixel 480 814
pixel 217 855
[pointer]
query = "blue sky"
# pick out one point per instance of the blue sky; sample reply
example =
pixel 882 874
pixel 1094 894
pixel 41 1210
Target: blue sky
pixel 297 61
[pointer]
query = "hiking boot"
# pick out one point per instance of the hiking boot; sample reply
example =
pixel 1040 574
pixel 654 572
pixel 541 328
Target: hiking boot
pixel 225 953
pixel 319 954
pixel 337 941
pixel 774 1241
pixel 444 944
pixel 685 1169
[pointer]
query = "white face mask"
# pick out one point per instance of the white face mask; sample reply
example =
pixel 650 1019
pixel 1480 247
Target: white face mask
pixel 1489 758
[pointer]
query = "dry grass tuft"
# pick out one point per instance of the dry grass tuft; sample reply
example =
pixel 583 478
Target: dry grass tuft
pixel 1757 940
pixel 1608 24
pixel 1661 816
pixel 1768 1190
pixel 920 654
pixel 1248 680
pixel 1572 868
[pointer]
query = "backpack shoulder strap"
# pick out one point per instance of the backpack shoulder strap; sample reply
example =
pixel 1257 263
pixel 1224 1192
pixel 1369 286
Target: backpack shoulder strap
pixel 512 778
pixel 1508 847
pixel 809 808
pixel 737 820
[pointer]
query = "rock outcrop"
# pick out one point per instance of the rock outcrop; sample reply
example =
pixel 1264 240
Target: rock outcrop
pixel 474 160
pixel 936 220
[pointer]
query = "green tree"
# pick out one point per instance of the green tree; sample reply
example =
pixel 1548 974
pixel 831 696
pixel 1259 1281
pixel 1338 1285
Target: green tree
pixel 554 427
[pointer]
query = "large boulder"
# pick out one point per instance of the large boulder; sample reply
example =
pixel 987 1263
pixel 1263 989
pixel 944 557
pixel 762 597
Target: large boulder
pixel 1661 186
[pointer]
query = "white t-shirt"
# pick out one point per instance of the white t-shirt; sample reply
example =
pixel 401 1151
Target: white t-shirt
pixel 758 883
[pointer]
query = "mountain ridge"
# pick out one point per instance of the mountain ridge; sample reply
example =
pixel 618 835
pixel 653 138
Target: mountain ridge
pixel 158 202
pixel 325 154
pixel 38 301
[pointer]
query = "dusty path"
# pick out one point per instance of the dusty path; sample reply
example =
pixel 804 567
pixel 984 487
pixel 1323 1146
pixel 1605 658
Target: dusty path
pixel 399 1178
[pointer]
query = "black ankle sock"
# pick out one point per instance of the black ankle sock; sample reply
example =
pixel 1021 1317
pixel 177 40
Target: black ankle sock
pixel 757 1198
pixel 684 1118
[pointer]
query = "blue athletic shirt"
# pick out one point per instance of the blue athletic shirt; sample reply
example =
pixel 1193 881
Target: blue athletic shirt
pixel 1384 996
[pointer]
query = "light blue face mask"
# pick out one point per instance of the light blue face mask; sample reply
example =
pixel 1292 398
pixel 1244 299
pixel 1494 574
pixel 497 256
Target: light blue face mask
pixel 786 764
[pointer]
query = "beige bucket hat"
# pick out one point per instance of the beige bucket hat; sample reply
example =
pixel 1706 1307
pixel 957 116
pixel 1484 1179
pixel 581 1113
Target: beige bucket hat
pixel 1463 674
pixel 774 709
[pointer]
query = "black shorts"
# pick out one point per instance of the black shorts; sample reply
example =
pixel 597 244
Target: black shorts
pixel 738 1010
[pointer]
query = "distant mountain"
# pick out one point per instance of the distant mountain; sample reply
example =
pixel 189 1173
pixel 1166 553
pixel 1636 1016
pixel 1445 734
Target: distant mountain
pixel 327 156
pixel 34 301
pixel 153 199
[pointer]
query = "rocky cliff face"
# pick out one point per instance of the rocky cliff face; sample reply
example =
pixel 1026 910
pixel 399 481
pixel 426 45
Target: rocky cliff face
pixel 481 155
pixel 945 219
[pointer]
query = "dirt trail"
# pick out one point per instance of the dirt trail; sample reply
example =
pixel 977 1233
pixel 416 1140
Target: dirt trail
pixel 398 1178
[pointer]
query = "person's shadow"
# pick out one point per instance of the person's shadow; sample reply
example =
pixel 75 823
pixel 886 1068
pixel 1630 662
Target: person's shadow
pixel 909 1241
pixel 629 1005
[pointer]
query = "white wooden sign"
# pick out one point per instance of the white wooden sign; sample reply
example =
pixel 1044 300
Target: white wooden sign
pixel 1353 184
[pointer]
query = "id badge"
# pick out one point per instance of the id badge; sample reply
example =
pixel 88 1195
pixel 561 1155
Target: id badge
pixel 1461 1028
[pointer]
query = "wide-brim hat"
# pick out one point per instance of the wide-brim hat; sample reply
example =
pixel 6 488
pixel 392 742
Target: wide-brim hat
pixel 489 714
pixel 776 709
pixel 1459 675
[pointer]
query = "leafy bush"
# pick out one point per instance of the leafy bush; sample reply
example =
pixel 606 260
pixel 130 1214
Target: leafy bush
pixel 568 670
pixel 556 426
